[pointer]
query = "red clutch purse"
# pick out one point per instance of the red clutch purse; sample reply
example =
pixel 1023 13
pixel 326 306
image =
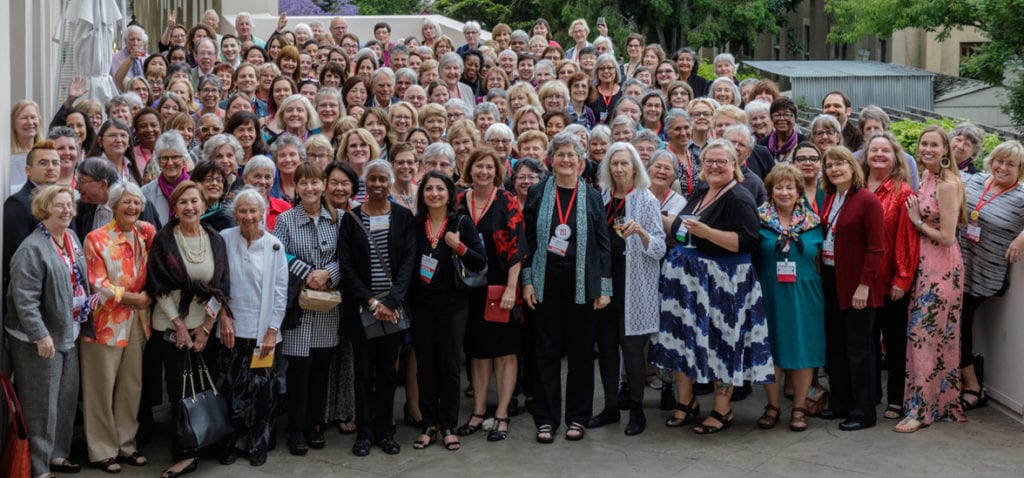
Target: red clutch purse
pixel 492 306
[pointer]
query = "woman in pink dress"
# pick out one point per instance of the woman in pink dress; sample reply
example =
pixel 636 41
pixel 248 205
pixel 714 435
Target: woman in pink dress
pixel 933 334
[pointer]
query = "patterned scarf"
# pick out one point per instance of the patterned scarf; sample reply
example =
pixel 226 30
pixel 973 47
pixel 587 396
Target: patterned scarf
pixel 802 220
pixel 777 150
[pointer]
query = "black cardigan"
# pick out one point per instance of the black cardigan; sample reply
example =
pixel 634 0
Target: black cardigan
pixel 442 289
pixel 354 258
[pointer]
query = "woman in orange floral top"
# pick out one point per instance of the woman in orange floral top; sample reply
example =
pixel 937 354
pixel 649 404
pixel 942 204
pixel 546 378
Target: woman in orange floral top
pixel 112 363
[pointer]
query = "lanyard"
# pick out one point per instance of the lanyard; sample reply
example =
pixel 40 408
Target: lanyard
pixel 564 217
pixel 434 239
pixel 472 206
pixel 833 217
pixel 665 199
pixel 982 202
pixel 704 203
pixel 622 203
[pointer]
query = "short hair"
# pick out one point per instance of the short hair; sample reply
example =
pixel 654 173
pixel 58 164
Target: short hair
pixel 217 141
pixel 624 120
pixel 554 88
pixel 470 25
pixel 606 40
pixel 1011 150
pixel 972 133
pixel 687 51
pixel 498 131
pixel 408 74
pixel 724 57
pixel 209 79
pixel 743 129
pixel 170 140
pixel 312 119
pixel 41 145
pixel 646 135
pixel 259 161
pixel 601 132
pixel 841 153
pixel 182 188
pixel 437 150
pixel 485 108
pixel 730 151
pixel 379 164
pixel 846 99
pixel 136 29
pixel 608 58
pixel 730 111
pixel 60 132
pixel 383 71
pixel 783 104
pixel 783 172
pixel 736 97
pixel 384 25
pixel 482 154
pixel 430 110
pixel 534 136
pixel 449 58
pixel 640 178
pixel 99 169
pixel 455 103
pixel 873 112
pixel 248 193
pixel 756 107
pixel 563 139
pixel 319 141
pixel 824 120
pixel 532 164
pixel 663 153
pixel 463 127
pixel 288 139
pixel 44 197
pixel 765 86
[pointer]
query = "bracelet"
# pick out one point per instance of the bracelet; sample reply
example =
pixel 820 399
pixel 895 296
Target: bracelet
pixel 461 249
pixel 204 329
pixel 919 223
pixel 275 329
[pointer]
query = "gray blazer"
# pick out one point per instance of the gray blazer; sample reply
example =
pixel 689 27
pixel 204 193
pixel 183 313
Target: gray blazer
pixel 154 196
pixel 40 297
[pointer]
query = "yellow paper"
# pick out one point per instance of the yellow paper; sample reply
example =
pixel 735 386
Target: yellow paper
pixel 264 362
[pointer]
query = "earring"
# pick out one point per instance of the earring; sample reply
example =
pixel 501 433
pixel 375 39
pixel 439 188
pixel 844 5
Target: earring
pixel 945 163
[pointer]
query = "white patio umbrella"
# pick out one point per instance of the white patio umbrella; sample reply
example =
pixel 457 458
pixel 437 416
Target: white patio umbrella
pixel 93 25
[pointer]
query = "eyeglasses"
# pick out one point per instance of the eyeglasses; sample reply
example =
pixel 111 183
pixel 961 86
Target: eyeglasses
pixel 63 206
pixel 47 162
pixel 787 115
pixel 499 141
pixel 806 159
pixel 716 162
pixel 606 68
pixel 213 180
pixel 176 159
pixel 835 165
pixel 702 114
pixel 528 177
pixel 210 129
pixel 824 132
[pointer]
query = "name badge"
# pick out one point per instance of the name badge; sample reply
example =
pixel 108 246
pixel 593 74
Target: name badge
pixel 378 223
pixel 974 232
pixel 828 255
pixel 785 271
pixel 604 116
pixel 212 307
pixel 558 246
pixel 428 265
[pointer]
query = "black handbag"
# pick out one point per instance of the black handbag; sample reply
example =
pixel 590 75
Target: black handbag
pixel 372 327
pixel 465 278
pixel 204 418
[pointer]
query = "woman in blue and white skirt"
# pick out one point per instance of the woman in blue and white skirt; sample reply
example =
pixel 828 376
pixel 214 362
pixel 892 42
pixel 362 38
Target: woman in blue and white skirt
pixel 713 325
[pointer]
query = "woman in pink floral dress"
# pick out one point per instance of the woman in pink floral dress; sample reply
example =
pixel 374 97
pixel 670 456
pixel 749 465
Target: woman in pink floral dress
pixel 933 334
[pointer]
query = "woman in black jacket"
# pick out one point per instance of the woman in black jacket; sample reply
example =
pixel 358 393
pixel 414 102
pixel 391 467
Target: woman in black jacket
pixel 377 255
pixel 441 306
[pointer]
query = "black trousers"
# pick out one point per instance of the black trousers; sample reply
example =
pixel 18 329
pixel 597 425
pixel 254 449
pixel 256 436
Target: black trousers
pixel 176 363
pixel 850 355
pixel 376 379
pixel 437 334
pixel 307 388
pixel 611 334
pixel 891 323
pixel 562 325
pixel 970 307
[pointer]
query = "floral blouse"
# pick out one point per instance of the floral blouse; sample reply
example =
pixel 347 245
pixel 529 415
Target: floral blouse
pixel 118 264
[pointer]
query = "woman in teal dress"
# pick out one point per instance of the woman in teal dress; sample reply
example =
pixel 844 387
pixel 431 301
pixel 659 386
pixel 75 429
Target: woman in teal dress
pixel 791 237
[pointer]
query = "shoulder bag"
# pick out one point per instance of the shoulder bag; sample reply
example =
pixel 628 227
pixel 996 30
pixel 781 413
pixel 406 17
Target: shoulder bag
pixel 465 278
pixel 204 418
pixel 372 327
pixel 15 461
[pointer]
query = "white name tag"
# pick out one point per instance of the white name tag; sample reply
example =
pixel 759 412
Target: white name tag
pixel 558 246
pixel 428 265
pixel 828 255
pixel 974 233
pixel 378 223
pixel 213 307
pixel 785 271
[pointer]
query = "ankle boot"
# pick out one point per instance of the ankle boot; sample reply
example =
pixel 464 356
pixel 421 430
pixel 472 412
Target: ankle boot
pixel 637 419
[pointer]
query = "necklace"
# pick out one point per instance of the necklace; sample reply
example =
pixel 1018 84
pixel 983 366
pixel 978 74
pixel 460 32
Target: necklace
pixel 195 257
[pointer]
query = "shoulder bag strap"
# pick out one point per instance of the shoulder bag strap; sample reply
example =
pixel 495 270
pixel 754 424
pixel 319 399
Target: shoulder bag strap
pixel 373 244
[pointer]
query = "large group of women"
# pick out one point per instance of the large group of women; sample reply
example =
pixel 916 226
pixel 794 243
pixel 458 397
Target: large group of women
pixel 316 219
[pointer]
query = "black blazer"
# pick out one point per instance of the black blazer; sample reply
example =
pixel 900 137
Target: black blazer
pixel 760 161
pixel 698 83
pixel 354 258
pixel 18 224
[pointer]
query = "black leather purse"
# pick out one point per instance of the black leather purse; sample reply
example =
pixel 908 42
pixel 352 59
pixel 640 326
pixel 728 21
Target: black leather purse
pixel 204 417
pixel 465 278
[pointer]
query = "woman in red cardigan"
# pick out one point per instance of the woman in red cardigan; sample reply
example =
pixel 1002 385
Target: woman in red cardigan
pixel 851 261
pixel 888 176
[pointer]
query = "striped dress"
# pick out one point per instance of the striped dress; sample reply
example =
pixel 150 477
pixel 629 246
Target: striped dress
pixel 985 269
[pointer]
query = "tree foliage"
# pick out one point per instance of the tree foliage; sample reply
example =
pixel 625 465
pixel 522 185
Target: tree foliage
pixel 1000 20
pixel 388 7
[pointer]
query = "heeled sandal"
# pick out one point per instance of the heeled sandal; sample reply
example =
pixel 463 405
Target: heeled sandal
pixel 980 399
pixel 893 412
pixel 469 428
pixel 691 411
pixel 450 445
pixel 798 423
pixel 705 429
pixel 545 434
pixel 420 444
pixel 768 421
pixel 497 434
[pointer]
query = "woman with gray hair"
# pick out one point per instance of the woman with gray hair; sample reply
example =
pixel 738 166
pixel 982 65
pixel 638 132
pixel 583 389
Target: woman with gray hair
pixel 965 142
pixel 609 91
pixel 567 280
pixel 637 236
pixel 450 67
pixel 376 252
pixel 725 65
pixel 826 132
pixel 724 91
pixel 111 363
pixel 259 173
pixel 296 116
pixel 288 153
pixel 170 154
pixel 225 150
pixel 48 305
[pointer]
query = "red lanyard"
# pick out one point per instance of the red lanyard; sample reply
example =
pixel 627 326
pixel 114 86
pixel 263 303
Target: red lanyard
pixel 982 202
pixel 564 217
pixel 832 220
pixel 622 203
pixel 472 206
pixel 434 239
pixel 665 199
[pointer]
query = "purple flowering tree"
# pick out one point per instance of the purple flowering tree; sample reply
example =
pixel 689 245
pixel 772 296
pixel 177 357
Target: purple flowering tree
pixel 316 7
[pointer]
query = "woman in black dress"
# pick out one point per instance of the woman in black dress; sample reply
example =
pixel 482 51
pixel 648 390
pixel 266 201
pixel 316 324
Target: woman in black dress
pixel 496 214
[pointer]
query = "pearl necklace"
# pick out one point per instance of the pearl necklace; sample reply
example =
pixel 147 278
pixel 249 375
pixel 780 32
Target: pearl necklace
pixel 195 257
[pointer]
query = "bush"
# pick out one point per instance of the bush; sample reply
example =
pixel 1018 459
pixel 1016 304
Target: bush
pixel 907 131
pixel 707 70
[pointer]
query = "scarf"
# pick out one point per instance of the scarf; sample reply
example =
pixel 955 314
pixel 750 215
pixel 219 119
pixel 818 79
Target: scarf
pixel 544 214
pixel 779 151
pixel 166 188
pixel 802 220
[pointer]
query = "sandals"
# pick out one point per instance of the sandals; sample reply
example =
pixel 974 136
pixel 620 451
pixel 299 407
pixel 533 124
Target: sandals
pixel 430 433
pixel 768 421
pixel 545 434
pixel 691 411
pixel 909 425
pixel 893 412
pixel 798 423
pixel 469 428
pixel 450 445
pixel 497 434
pixel 980 399
pixel 135 459
pixel 188 469
pixel 109 465
pixel 705 429
pixel 576 432
pixel 343 427
pixel 64 466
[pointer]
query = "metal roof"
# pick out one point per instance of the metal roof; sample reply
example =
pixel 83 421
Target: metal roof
pixel 835 68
